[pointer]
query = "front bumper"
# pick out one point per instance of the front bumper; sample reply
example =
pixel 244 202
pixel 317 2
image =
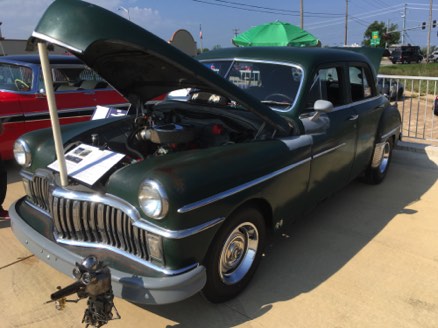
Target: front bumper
pixel 134 288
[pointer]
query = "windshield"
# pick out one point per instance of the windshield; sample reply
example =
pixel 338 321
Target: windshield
pixel 274 84
pixel 15 77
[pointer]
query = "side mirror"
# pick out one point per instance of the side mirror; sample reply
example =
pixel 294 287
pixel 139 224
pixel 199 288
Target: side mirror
pixel 321 106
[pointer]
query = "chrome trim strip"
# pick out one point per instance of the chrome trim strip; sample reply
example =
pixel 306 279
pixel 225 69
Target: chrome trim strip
pixel 60 111
pixel 393 131
pixel 73 110
pixel 179 234
pixel 26 175
pixel 9 116
pixel 325 152
pixel 235 190
pixel 54 41
pixel 128 255
pixel 364 100
pixel 133 213
pixel 35 207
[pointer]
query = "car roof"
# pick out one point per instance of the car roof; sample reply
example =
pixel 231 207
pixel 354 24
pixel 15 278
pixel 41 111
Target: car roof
pixel 35 59
pixel 306 57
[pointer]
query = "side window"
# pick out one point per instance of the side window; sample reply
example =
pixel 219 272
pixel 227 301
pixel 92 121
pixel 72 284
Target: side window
pixel 76 78
pixel 326 85
pixel 15 78
pixel 360 87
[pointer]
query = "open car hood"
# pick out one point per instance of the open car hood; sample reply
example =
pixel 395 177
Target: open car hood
pixel 134 61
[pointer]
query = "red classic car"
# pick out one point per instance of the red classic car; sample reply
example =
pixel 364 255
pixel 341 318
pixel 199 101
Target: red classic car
pixel 23 104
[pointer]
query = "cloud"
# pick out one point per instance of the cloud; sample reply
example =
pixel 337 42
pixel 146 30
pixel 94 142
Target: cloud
pixel 150 19
pixel 19 18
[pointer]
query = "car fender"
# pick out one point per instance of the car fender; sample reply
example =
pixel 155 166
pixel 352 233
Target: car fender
pixel 389 124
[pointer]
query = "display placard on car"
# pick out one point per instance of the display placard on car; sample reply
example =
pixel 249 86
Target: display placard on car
pixel 88 163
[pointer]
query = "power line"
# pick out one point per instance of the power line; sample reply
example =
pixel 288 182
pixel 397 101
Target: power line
pixel 338 21
pixel 261 9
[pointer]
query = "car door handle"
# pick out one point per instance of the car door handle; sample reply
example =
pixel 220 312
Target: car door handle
pixel 353 117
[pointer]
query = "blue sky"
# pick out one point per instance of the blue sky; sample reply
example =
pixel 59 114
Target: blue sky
pixel 219 18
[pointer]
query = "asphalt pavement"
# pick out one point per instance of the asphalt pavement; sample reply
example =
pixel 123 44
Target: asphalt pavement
pixel 365 257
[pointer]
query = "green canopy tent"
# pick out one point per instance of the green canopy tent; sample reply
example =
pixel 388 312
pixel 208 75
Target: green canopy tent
pixel 275 34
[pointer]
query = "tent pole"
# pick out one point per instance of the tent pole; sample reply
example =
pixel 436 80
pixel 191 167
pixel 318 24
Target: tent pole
pixel 48 84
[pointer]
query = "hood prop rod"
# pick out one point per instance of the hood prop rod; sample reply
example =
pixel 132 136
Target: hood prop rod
pixel 48 84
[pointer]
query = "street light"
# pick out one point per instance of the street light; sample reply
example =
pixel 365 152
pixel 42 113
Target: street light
pixel 125 10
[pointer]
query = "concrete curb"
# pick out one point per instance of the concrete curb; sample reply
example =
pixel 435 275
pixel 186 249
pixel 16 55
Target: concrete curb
pixel 417 148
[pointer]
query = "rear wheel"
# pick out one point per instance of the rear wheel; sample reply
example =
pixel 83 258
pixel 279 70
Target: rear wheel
pixel 376 175
pixel 234 255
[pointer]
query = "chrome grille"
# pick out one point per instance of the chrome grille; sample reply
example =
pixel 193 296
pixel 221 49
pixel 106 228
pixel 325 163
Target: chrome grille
pixel 39 192
pixel 91 222
pixel 86 221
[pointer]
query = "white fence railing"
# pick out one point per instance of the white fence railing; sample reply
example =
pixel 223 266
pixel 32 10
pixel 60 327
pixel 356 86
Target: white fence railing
pixel 416 98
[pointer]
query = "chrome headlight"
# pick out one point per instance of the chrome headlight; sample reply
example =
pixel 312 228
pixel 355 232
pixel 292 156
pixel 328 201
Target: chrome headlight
pixel 153 199
pixel 22 153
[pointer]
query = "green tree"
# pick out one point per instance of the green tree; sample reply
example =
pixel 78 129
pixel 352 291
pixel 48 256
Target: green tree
pixel 203 50
pixel 388 35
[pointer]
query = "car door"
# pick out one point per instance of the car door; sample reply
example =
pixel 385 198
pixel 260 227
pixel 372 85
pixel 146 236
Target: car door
pixel 15 84
pixel 73 105
pixel 368 106
pixel 334 141
pixel 77 92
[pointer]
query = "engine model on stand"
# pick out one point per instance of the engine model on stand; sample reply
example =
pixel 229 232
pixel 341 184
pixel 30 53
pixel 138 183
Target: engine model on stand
pixel 93 280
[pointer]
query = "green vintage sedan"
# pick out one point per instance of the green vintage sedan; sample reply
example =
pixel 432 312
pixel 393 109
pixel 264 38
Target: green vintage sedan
pixel 179 196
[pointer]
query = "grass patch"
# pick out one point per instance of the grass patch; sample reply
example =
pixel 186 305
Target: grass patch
pixel 430 70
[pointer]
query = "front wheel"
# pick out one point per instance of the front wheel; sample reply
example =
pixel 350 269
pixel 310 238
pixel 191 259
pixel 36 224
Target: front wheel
pixel 376 175
pixel 234 255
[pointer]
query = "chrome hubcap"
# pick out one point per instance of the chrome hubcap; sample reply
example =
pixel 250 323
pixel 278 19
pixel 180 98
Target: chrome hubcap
pixel 385 157
pixel 238 253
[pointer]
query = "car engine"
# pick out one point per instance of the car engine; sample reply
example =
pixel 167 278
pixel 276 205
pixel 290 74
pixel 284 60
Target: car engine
pixel 169 128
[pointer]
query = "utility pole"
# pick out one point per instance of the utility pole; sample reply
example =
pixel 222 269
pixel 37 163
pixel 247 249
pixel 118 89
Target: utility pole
pixel 429 30
pixel 301 15
pixel 404 25
pixel 1 39
pixel 387 30
pixel 346 24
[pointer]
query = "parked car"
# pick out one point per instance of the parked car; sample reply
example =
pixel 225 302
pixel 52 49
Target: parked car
pixel 23 103
pixel 433 57
pixel 406 55
pixel 180 197
pixel 392 88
